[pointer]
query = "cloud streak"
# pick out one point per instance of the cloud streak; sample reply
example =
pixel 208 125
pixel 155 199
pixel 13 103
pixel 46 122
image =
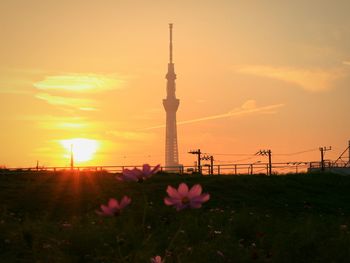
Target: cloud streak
pixel 79 83
pixel 249 107
pixel 81 104
pixel 313 80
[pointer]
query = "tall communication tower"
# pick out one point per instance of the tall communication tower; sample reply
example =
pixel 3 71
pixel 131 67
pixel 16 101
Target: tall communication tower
pixel 171 104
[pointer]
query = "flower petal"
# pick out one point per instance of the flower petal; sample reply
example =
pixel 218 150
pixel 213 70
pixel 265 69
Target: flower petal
pixel 125 201
pixel 183 189
pixel 171 201
pixel 201 198
pixel 156 259
pixel 113 203
pixel 172 192
pixel 106 211
pixel 146 169
pixel 155 169
pixel 137 171
pixel 195 191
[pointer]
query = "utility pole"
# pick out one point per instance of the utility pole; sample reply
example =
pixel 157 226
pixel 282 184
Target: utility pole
pixel 270 162
pixel 198 152
pixel 267 153
pixel 323 150
pixel 211 158
pixel 343 161
pixel 349 153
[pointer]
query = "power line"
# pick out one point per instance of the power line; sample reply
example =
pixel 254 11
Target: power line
pixel 245 159
pixel 234 161
pixel 231 154
pixel 295 153
pixel 221 154
pixel 249 154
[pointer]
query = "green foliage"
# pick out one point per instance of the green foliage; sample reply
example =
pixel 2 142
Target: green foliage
pixel 50 217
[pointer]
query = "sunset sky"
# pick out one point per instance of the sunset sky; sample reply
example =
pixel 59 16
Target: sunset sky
pixel 251 75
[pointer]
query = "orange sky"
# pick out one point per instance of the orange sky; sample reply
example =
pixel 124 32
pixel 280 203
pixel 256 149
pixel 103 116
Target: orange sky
pixel 251 75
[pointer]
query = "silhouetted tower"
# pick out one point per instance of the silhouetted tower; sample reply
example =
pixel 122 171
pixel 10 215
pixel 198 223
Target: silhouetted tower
pixel 171 104
pixel 71 157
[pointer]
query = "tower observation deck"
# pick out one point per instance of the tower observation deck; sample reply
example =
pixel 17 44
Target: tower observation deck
pixel 171 104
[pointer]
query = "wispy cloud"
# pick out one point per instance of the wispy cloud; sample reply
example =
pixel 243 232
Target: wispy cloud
pixel 78 103
pixel 14 82
pixel 46 117
pixel 63 125
pixel 346 63
pixel 309 79
pixel 26 81
pixel 79 83
pixel 249 107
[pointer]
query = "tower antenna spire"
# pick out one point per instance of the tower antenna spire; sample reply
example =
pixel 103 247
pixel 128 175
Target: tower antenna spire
pixel 171 43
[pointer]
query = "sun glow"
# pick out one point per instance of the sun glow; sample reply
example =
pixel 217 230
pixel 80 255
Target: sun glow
pixel 83 149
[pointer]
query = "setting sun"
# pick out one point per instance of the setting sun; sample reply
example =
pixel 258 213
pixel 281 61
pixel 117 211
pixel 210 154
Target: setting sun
pixel 83 149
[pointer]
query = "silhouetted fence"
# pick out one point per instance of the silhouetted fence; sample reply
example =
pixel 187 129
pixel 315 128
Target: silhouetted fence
pixel 205 169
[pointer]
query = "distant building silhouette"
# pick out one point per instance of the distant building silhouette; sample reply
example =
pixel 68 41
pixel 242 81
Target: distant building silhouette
pixel 171 104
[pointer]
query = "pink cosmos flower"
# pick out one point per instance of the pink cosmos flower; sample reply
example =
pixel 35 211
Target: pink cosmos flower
pixel 156 259
pixel 114 207
pixel 138 175
pixel 184 198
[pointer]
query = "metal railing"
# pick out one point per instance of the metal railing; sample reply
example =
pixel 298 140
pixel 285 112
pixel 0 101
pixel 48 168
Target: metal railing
pixel 205 169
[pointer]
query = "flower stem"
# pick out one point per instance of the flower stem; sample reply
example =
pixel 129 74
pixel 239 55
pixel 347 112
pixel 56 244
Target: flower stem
pixel 144 212
pixel 173 239
pixel 120 253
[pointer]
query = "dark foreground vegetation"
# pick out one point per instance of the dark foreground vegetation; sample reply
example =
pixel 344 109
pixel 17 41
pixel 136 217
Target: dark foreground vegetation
pixel 46 217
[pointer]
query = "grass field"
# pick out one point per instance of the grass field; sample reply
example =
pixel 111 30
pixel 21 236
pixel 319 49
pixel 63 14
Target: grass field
pixel 46 217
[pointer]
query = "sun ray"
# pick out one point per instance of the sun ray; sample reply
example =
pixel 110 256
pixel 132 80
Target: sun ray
pixel 83 149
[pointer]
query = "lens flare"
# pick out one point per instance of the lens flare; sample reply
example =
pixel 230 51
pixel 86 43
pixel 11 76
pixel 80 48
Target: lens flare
pixel 83 149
